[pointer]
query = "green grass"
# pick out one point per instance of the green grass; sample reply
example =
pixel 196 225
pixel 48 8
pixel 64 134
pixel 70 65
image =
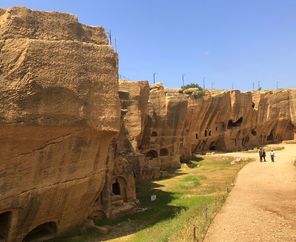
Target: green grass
pixel 190 197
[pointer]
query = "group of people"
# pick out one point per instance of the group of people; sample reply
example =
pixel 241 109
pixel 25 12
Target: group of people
pixel 262 155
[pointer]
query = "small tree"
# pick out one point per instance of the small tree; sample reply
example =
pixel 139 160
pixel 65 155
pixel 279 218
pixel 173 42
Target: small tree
pixel 191 85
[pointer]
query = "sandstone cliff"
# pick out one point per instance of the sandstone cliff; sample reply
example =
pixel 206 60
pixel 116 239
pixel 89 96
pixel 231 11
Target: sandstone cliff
pixel 233 120
pixel 125 160
pixel 59 110
pixel 74 140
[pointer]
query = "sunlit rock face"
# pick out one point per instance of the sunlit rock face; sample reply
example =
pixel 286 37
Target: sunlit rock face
pixel 59 109
pixel 75 140
pixel 233 120
pixel 125 161
pixel 177 124
pixel 162 141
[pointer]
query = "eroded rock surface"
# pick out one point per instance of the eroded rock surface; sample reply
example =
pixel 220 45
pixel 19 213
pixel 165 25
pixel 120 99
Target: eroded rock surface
pixel 125 160
pixel 233 120
pixel 74 140
pixel 59 110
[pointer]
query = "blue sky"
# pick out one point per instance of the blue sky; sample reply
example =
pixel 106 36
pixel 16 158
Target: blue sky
pixel 224 42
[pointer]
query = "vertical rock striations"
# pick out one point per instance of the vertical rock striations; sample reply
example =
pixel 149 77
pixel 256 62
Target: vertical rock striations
pixel 67 153
pixel 59 110
pixel 125 159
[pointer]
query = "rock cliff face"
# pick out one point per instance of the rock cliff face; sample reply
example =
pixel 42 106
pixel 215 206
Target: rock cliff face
pixel 59 110
pixel 233 120
pixel 74 141
pixel 163 133
pixel 177 124
pixel 125 160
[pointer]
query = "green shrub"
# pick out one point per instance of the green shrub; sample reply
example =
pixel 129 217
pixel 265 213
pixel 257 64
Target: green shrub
pixel 191 85
pixel 198 93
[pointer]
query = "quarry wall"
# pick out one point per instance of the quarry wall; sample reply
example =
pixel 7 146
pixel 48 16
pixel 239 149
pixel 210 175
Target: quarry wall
pixel 59 110
pixel 75 140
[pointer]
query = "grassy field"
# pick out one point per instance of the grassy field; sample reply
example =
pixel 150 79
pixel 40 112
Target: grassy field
pixel 186 202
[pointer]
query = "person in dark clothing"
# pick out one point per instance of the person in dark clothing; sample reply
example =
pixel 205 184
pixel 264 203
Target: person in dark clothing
pixel 264 155
pixel 260 154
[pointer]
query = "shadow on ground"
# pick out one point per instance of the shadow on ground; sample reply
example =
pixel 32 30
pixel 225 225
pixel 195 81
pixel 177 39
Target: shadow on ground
pixel 153 213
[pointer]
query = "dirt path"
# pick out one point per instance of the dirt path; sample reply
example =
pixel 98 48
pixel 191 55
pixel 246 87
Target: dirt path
pixel 262 204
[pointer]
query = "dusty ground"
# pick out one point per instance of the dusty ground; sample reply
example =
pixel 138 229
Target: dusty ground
pixel 262 205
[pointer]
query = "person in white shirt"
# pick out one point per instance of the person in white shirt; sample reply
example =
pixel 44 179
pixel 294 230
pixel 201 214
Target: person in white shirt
pixel 272 155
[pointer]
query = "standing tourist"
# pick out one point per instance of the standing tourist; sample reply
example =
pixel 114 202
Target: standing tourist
pixel 264 155
pixel 272 155
pixel 260 154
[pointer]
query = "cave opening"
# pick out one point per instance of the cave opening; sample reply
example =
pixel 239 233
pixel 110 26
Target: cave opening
pixel 270 137
pixel 254 132
pixel 164 152
pixel 154 134
pixel 116 188
pixel 212 146
pixel 5 219
pixel 232 124
pixel 42 232
pixel 206 132
pixel 151 154
pixel 253 105
pixel 196 136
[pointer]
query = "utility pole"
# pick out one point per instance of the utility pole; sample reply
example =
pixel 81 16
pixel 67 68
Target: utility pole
pixel 115 43
pixel 183 79
pixel 259 85
pixel 277 84
pixel 154 77
pixel 110 37
pixel 253 86
pixel 204 82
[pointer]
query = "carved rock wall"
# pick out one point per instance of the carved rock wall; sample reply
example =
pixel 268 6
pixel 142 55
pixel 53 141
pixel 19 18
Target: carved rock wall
pixel 66 151
pixel 233 120
pixel 125 160
pixel 59 110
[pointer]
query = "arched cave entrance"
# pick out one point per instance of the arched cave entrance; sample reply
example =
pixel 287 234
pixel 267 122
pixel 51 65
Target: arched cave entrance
pixel 154 134
pixel 119 187
pixel 270 137
pixel 5 219
pixel 254 132
pixel 152 154
pixel 42 232
pixel 116 188
pixel 213 146
pixel 164 152
pixel 231 124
